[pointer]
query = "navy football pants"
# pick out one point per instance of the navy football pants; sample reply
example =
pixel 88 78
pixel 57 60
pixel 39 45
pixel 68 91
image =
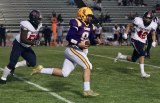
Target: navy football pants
pixel 19 50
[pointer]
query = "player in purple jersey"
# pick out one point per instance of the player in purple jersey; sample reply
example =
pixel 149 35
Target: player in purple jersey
pixel 28 36
pixel 81 30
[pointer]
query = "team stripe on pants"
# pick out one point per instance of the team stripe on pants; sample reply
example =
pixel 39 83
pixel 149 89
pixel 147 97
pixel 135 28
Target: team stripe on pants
pixel 81 57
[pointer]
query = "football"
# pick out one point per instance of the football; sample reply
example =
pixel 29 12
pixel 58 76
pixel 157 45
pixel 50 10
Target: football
pixel 87 42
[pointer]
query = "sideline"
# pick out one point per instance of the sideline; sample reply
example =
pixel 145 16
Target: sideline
pixel 42 88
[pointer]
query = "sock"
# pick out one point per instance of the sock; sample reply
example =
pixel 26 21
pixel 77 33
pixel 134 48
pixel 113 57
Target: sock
pixel 47 70
pixel 6 72
pixel 142 68
pixel 21 64
pixel 123 57
pixel 86 86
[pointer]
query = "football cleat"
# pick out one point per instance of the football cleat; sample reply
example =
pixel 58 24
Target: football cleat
pixel 145 75
pixel 118 57
pixel 2 81
pixel 37 70
pixel 90 93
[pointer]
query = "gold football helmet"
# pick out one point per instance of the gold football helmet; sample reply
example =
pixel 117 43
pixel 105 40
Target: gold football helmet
pixel 83 13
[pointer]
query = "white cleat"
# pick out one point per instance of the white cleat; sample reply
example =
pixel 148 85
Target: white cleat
pixel 145 75
pixel 118 57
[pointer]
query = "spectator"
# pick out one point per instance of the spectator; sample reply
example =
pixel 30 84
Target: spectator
pixel 47 34
pixel 130 2
pixel 121 32
pixel 136 2
pixel 59 18
pixel 116 31
pixel 2 35
pixel 98 31
pixel 124 2
pixel 107 18
pixel 119 2
pixel 158 8
pixel 60 30
pixel 96 7
pixel 54 27
pixel 101 18
pixel 99 3
pixel 130 16
pixel 71 2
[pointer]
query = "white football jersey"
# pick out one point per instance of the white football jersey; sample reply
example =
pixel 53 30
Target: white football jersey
pixel 32 34
pixel 98 30
pixel 141 31
pixel 116 30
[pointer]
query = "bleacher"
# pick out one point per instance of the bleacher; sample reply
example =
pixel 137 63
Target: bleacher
pixel 13 11
pixel 118 13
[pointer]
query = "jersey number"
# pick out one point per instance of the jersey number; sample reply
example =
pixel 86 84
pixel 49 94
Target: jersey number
pixel 32 36
pixel 142 34
pixel 85 36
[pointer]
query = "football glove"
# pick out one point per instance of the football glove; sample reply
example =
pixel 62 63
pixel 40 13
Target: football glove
pixel 154 44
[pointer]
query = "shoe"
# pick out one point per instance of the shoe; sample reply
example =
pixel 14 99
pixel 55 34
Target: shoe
pixel 2 81
pixel 12 73
pixel 145 75
pixel 118 57
pixel 37 70
pixel 90 93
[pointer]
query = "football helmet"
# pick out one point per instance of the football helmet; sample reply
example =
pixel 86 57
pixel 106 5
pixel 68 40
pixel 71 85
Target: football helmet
pixel 35 17
pixel 83 13
pixel 147 18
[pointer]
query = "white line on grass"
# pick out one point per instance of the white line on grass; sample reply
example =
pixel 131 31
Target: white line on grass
pixel 112 59
pixel 42 88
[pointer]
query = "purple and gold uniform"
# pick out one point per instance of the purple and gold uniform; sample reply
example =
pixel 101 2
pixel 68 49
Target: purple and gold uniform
pixel 80 31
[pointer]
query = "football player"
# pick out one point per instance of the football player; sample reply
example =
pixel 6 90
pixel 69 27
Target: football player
pixel 81 29
pixel 29 30
pixel 143 26
pixel 149 40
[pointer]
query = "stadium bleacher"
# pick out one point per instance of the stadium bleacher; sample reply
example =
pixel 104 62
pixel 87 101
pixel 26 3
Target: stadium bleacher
pixel 13 11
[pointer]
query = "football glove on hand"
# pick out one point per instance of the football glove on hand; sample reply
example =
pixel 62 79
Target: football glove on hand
pixel 154 44
pixel 37 42
pixel 125 35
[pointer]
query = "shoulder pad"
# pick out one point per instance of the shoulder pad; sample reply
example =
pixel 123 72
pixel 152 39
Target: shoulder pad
pixel 25 25
pixel 137 20
pixel 75 22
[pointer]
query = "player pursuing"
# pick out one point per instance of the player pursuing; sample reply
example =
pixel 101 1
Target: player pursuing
pixel 81 29
pixel 29 30
pixel 143 26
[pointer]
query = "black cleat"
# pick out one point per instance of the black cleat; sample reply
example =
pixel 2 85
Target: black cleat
pixel 2 81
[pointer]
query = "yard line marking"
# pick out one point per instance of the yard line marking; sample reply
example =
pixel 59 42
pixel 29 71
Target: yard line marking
pixel 113 59
pixel 123 60
pixel 41 88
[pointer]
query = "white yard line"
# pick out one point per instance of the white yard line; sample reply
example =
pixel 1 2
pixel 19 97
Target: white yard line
pixel 42 88
pixel 102 56
pixel 123 60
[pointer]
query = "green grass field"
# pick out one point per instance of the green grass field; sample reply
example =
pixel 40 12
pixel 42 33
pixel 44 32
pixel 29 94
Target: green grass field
pixel 116 82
